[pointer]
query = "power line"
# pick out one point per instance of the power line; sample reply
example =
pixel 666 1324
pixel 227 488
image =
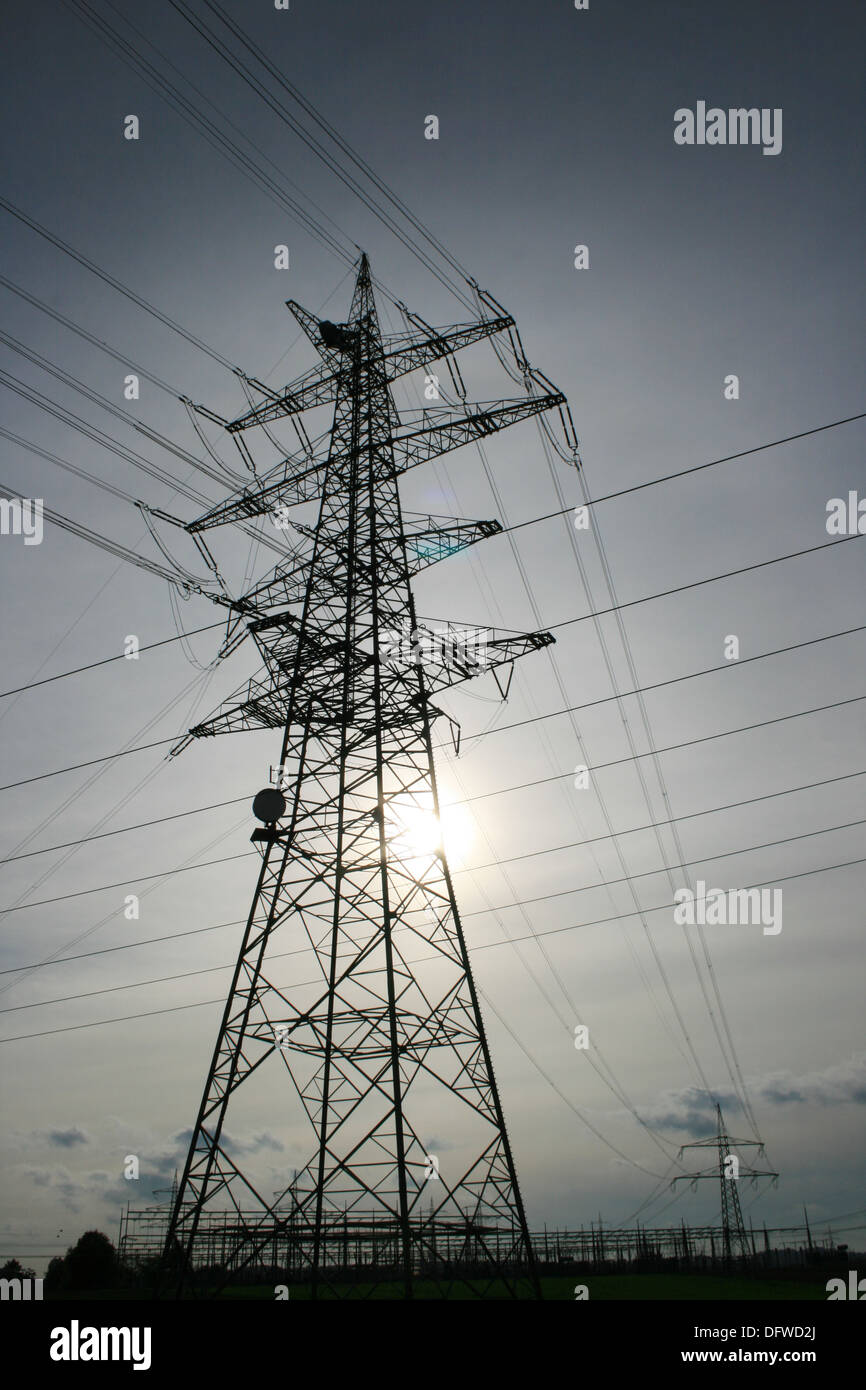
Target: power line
pixel 684 472
pixel 144 984
pixel 67 945
pixel 616 608
pixel 609 883
pixel 193 116
pixel 122 552
pixel 115 284
pixel 483 946
pixel 524 377
pixel 501 728
pixel 672 680
pixel 585 617
pixel 106 660
pixel 197 119
pixel 562 1096
pixel 628 830
pixel 580 742
pixel 330 130
pixel 479 796
pixel 724 1036
pixel 656 685
pixel 659 824
pixel 89 337
pixel 107 441
pixel 738 1079
pixel 726 1043
pixel 696 584
pixel 75 767
pixel 669 748
pixel 769 562
pixel 46 365
pixel 242 71
pixel 125 882
pixel 651 873
pixel 124 946
pixel 126 829
pixel 95 776
pixel 111 488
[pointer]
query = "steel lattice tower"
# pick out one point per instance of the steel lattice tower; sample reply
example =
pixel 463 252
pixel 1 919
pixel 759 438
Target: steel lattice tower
pixel 391 1039
pixel 734 1237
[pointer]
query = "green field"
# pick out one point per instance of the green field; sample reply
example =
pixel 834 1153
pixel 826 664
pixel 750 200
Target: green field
pixel 669 1288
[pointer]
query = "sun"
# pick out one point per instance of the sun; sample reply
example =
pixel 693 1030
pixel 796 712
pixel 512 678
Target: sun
pixel 415 832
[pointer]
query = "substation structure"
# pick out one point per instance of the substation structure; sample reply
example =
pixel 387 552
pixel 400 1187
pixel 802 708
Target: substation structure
pixel 365 1251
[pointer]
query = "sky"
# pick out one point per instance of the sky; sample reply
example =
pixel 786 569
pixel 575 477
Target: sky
pixel 555 130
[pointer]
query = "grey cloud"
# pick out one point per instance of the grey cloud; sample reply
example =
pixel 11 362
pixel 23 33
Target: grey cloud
pixel 63 1138
pixel 843 1083
pixel 690 1110
pixel 255 1144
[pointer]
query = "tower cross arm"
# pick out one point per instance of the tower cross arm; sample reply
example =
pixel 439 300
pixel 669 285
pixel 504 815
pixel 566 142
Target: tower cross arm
pixel 405 351
pixel 402 353
pixel 296 481
pixel 454 653
pixel 262 708
pixel 432 543
pixel 316 387
pixel 417 446
pixel 300 480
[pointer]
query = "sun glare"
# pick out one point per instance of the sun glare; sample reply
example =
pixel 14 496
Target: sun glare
pixel 416 832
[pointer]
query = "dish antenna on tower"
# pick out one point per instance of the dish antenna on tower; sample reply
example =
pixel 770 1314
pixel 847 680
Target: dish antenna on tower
pixel 269 805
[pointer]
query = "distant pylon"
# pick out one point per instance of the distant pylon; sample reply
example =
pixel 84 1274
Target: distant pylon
pixel 385 1056
pixel 729 1172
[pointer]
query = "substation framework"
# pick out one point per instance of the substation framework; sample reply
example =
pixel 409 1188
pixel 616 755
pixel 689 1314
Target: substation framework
pixel 389 1046
pixel 366 1250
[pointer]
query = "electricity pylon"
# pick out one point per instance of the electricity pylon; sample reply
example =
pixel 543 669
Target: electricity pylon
pixel 387 1053
pixel 728 1173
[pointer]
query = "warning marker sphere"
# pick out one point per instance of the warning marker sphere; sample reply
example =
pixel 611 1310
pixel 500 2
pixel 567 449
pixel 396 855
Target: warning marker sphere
pixel 269 805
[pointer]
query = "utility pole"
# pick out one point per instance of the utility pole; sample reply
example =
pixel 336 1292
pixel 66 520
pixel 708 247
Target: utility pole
pixel 734 1238
pixel 389 1046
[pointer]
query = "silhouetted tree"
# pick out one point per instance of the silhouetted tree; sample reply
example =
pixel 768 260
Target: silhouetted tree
pixel 55 1274
pixel 92 1263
